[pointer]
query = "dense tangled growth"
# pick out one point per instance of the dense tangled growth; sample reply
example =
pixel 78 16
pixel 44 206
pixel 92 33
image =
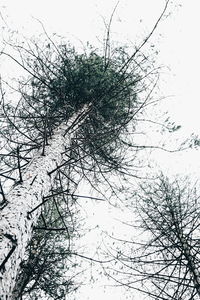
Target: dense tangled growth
pixel 60 81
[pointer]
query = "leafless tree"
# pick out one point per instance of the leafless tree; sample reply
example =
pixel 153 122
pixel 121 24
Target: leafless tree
pixel 164 261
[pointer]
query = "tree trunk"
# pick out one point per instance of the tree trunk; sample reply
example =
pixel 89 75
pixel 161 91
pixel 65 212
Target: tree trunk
pixel 16 223
pixel 191 265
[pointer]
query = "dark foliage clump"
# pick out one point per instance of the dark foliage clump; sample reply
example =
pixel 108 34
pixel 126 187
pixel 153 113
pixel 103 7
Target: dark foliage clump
pixel 60 82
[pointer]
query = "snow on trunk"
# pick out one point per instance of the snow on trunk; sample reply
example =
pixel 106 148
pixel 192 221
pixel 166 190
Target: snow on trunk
pixel 16 223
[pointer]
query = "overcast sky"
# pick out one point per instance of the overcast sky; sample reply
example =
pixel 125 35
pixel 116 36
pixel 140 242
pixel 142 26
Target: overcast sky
pixel 176 40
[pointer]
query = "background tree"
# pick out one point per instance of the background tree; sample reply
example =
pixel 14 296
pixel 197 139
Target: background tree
pixel 164 261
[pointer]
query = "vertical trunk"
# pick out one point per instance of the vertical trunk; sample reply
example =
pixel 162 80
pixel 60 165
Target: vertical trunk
pixel 16 223
pixel 191 265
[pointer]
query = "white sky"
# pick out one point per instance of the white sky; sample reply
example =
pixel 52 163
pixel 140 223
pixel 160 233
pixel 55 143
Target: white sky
pixel 177 40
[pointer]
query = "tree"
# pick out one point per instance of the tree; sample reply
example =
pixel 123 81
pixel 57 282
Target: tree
pixel 164 262
pixel 74 112
pixel 37 124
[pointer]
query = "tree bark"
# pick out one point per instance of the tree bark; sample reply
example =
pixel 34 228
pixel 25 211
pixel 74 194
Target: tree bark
pixel 191 265
pixel 16 223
